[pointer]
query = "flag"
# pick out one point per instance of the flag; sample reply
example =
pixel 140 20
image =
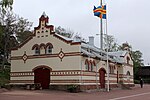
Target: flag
pixel 100 11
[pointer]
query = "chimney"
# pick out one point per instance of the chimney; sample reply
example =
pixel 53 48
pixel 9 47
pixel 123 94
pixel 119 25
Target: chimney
pixel 91 40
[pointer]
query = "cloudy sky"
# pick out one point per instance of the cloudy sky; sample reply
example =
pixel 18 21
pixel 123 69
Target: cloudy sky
pixel 128 20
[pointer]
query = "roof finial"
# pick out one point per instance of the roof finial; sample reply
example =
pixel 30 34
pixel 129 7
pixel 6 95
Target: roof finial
pixel 44 14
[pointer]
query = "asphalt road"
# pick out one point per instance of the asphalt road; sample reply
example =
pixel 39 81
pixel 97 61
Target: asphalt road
pixel 136 93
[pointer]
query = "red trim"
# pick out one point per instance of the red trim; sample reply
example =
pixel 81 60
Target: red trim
pixel 70 41
pixel 76 43
pixel 42 66
pixel 102 69
pixel 94 63
pixel 27 40
pixel 45 56
pixel 35 46
pixel 86 62
pixel 49 44
pixel 43 45
pixel 91 62
pixel 46 19
pixel 43 18
pixel 22 81
pixel 73 81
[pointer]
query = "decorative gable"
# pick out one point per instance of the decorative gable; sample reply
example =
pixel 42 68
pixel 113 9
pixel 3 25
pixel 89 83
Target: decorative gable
pixel 43 27
pixel 44 30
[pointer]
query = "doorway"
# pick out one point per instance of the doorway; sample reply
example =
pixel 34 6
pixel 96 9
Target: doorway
pixel 42 76
pixel 102 73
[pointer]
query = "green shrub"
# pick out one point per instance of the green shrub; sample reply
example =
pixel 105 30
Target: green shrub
pixel 147 80
pixel 136 81
pixel 73 88
pixel 4 77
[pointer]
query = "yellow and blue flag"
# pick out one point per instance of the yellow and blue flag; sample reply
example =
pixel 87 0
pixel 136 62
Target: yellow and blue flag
pixel 100 11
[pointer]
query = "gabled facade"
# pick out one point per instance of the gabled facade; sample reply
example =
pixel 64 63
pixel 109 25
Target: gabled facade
pixel 53 60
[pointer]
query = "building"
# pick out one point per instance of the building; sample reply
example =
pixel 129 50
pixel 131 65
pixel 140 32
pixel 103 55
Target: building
pixel 56 61
pixel 144 73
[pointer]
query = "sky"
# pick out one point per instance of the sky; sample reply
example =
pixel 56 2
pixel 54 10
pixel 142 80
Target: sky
pixel 127 20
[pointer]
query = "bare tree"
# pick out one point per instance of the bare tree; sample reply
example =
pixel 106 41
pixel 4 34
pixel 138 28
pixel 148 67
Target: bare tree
pixel 110 42
pixel 64 32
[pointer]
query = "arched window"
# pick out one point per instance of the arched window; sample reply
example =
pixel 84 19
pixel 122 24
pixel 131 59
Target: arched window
pixel 49 48
pixel 86 65
pixel 91 66
pixel 36 49
pixel 42 48
pixel 128 59
pixel 128 73
pixel 94 66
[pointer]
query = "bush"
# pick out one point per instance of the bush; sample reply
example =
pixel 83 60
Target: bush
pixel 136 81
pixel 4 77
pixel 146 81
pixel 73 88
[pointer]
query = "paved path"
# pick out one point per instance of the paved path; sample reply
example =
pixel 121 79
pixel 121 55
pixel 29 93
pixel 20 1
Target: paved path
pixel 135 93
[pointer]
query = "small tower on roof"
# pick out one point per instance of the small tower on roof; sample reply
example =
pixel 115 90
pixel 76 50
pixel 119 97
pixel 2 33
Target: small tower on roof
pixel 126 46
pixel 43 24
pixel 44 18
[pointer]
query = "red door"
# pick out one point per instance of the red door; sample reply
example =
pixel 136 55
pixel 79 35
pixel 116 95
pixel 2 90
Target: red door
pixel 42 76
pixel 102 78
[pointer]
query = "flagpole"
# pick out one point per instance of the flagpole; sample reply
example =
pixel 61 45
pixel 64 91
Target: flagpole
pixel 107 64
pixel 101 30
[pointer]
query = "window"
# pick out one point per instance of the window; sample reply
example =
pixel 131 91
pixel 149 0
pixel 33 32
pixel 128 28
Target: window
pixel 49 48
pixel 37 51
pixel 128 59
pixel 42 48
pixel 111 69
pixel 91 67
pixel 128 73
pixel 94 66
pixel 87 65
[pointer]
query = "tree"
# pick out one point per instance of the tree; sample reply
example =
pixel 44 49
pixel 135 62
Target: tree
pixel 64 32
pixel 5 5
pixel 13 30
pixel 23 29
pixel 136 55
pixel 137 62
pixel 109 41
pixel 22 36
pixel 69 34
pixel 13 26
